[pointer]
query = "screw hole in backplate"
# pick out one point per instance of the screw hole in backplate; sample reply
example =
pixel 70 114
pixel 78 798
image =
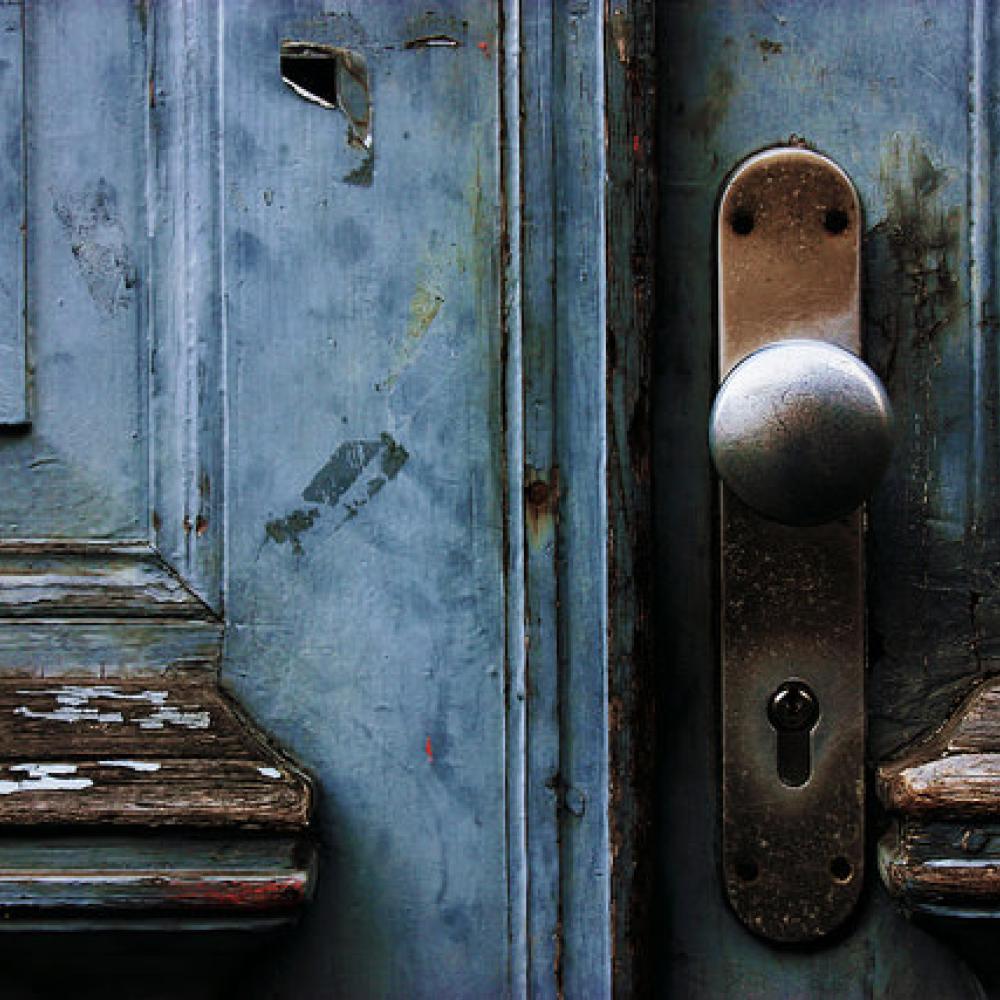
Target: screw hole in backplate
pixel 742 222
pixel 747 870
pixel 835 221
pixel 841 870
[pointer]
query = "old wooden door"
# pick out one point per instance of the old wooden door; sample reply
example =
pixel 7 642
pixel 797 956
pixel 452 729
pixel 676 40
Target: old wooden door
pixel 317 310
pixel 903 96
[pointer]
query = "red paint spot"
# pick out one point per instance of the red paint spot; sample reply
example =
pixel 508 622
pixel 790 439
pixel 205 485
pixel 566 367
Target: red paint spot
pixel 428 749
pixel 635 144
pixel 484 48
pixel 231 892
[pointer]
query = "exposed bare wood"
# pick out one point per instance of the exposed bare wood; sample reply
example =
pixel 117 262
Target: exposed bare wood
pixel 957 770
pixel 164 753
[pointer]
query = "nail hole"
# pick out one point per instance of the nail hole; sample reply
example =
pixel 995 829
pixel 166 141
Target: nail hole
pixel 747 870
pixel 742 222
pixel 841 870
pixel 835 221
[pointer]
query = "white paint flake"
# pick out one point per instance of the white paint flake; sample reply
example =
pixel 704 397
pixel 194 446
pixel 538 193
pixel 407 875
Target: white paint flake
pixel 132 765
pixel 43 778
pixel 76 695
pixel 269 772
pixel 174 717
pixel 73 705
pixel 70 714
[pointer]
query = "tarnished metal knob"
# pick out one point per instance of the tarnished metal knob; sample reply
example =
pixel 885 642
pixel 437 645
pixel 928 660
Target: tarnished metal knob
pixel 801 431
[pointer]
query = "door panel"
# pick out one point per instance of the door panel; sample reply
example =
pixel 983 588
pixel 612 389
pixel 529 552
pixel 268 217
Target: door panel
pixel 896 94
pixel 80 469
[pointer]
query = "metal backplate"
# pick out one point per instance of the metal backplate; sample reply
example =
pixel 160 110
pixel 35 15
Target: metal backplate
pixel 791 597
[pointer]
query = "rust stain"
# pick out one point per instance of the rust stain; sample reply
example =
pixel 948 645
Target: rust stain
pixel 621 36
pixel 429 750
pixel 768 47
pixel 541 496
pixel 484 48
pixel 156 520
pixel 187 525
pixel 200 525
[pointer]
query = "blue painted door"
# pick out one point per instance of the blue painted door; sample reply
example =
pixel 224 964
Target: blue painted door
pixel 315 327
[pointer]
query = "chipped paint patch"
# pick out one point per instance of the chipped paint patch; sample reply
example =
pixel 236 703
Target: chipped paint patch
pixel 269 772
pixel 291 527
pixel 355 473
pixel 174 717
pixel 132 765
pixel 44 778
pixel 98 244
pixel 424 307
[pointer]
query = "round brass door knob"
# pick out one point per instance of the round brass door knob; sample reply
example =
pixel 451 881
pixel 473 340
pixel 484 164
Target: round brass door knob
pixel 801 431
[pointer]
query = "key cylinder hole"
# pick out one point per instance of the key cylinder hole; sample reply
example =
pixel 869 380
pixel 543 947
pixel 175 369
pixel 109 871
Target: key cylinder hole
pixel 742 222
pixel 841 869
pixel 835 221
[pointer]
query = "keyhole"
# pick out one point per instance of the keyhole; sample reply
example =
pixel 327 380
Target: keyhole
pixel 793 711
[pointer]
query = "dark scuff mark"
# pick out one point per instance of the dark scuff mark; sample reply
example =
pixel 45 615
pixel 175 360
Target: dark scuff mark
pixel 98 244
pixel 433 42
pixel 291 527
pixel 768 47
pixel 708 115
pixel 355 473
pixel 364 173
pixel 341 472
pixel 920 567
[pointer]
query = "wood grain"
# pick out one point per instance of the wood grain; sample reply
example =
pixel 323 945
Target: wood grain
pixel 161 753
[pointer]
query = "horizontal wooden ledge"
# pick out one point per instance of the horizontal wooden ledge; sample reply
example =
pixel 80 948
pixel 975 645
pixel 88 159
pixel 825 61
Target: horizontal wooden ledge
pixel 58 579
pixel 957 770
pixel 941 867
pixel 149 877
pixel 154 753
pixel 965 784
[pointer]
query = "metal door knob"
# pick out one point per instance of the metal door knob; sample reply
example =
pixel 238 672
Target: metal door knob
pixel 801 431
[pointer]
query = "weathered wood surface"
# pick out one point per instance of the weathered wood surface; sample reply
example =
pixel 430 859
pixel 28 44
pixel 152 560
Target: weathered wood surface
pixel 167 754
pixel 956 771
pixel 630 112
pixel 307 344
pixel 171 881
pixel 943 868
